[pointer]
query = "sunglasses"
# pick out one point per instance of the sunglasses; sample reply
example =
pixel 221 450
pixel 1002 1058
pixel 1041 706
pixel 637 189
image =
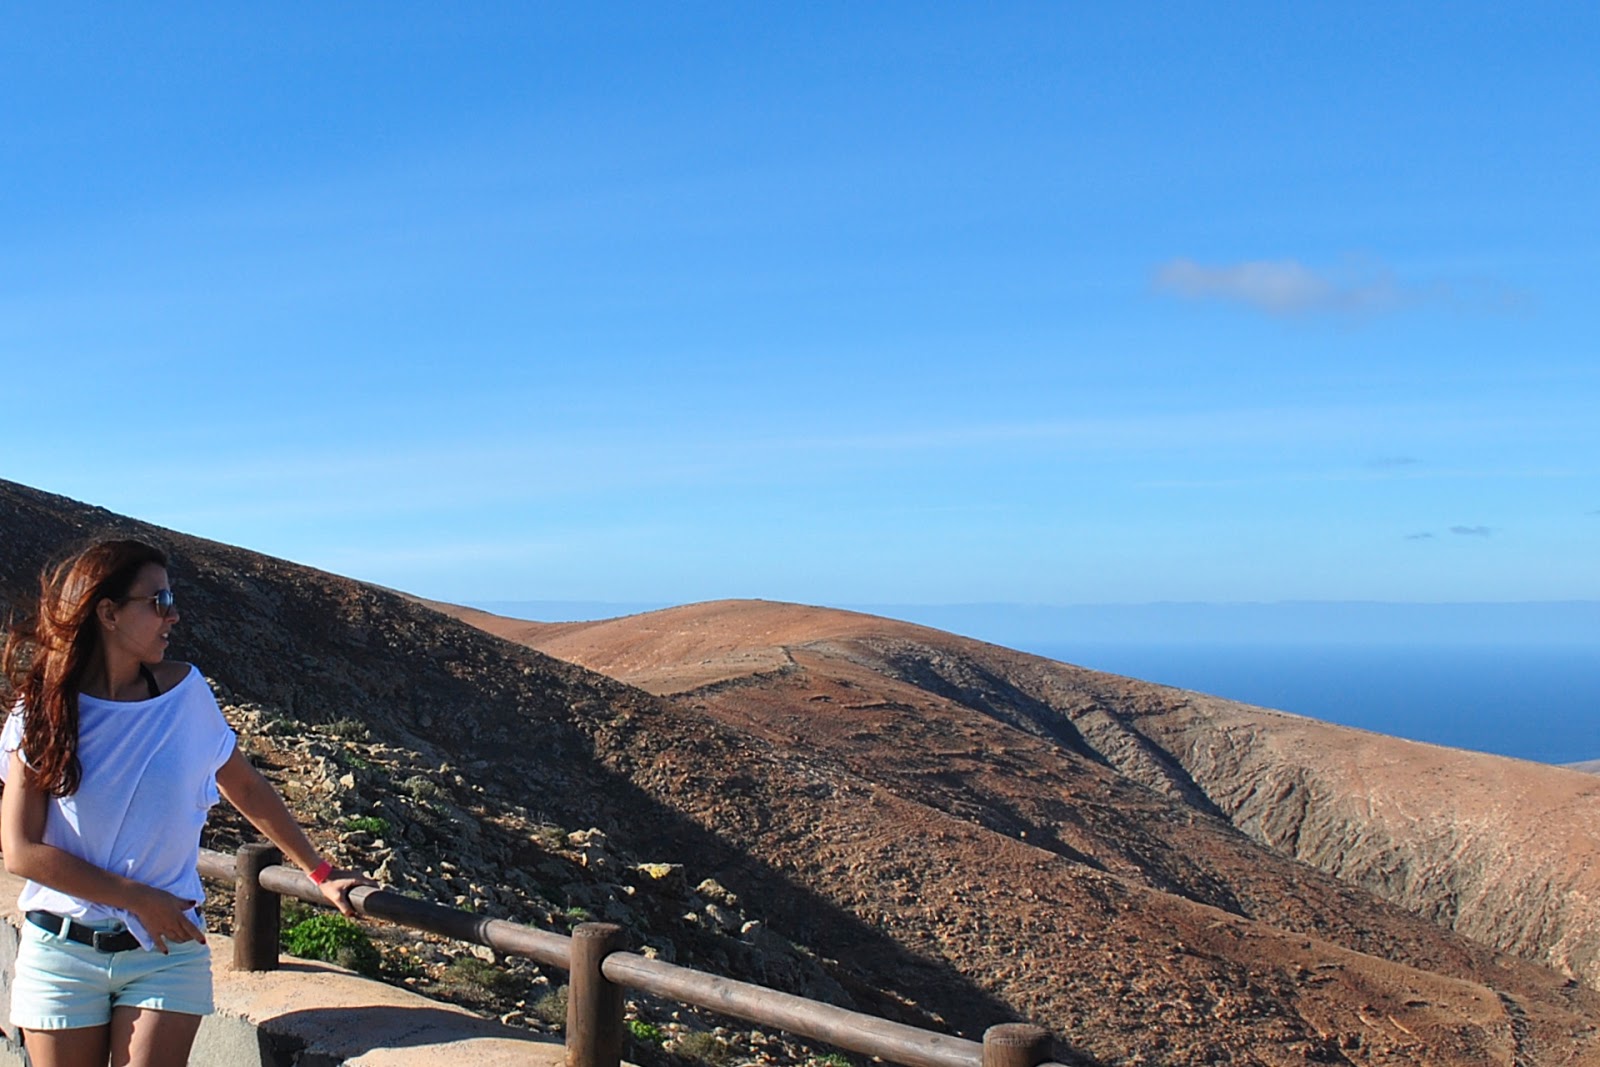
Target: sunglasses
pixel 162 598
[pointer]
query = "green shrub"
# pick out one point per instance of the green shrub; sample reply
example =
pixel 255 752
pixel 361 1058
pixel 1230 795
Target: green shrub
pixel 551 1009
pixel 349 730
pixel 471 971
pixel 420 788
pixel 575 915
pixel 705 1048
pixel 649 1033
pixel 334 938
pixel 833 1059
pixel 398 965
pixel 372 824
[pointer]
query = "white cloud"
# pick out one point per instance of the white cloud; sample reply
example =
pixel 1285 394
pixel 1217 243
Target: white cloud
pixel 1359 287
pixel 1281 287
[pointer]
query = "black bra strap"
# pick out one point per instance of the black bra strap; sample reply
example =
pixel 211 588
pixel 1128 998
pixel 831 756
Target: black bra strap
pixel 150 680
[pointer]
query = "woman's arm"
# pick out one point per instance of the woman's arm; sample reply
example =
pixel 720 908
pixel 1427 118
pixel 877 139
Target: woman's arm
pixel 22 816
pixel 259 802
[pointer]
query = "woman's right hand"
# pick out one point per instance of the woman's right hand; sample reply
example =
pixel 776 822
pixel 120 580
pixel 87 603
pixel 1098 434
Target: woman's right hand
pixel 336 888
pixel 166 918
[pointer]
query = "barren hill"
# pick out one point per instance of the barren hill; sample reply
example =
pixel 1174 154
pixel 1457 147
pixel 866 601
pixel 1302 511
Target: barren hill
pixel 1499 849
pixel 1504 850
pixel 942 845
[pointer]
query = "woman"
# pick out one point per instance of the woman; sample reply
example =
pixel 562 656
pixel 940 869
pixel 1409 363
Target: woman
pixel 112 757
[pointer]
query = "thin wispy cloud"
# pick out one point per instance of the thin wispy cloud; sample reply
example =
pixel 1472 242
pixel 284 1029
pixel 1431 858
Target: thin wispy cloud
pixel 1459 531
pixel 1356 289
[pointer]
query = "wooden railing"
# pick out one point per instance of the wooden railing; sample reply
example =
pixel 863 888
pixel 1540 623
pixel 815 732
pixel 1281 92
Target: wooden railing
pixel 596 958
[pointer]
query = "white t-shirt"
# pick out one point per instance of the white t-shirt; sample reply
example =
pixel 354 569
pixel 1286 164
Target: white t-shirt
pixel 149 777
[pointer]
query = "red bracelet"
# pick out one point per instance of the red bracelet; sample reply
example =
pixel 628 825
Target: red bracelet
pixel 320 875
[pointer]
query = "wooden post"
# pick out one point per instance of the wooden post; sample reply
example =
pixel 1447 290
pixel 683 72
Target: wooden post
pixel 1015 1045
pixel 255 910
pixel 594 1004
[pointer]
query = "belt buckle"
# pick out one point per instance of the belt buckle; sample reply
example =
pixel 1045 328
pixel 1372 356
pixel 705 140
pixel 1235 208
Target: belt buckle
pixel 103 939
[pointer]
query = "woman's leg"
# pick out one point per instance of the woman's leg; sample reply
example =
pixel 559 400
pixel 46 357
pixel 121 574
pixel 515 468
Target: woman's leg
pixel 145 1037
pixel 83 1046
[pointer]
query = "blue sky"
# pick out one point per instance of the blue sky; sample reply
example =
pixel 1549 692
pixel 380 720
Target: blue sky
pixel 837 303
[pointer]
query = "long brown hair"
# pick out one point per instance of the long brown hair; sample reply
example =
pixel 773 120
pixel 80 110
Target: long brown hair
pixel 46 656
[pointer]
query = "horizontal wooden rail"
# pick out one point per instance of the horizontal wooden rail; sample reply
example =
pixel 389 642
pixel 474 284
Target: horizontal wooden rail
pixel 593 1035
pixel 508 938
pixel 217 866
pixel 866 1034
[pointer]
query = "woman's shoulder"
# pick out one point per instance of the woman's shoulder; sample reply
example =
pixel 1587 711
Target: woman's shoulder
pixel 170 674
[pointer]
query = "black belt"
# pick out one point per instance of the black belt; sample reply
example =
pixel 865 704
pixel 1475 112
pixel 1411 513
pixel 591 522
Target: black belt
pixel 100 940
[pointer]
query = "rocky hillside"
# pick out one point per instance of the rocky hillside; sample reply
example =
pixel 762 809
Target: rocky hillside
pixel 1500 849
pixel 880 828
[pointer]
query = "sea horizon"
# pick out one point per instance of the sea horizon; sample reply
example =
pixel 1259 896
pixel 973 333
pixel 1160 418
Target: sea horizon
pixel 1532 702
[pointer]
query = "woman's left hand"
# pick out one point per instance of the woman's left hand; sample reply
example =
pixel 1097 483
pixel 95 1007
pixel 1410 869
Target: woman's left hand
pixel 336 888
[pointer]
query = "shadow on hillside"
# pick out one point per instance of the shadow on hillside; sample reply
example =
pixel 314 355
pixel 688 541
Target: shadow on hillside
pixel 799 913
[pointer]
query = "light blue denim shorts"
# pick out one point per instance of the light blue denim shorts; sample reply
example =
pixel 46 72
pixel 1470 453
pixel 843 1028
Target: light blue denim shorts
pixel 62 985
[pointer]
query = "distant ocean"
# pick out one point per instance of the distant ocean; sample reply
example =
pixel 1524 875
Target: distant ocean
pixel 1533 702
